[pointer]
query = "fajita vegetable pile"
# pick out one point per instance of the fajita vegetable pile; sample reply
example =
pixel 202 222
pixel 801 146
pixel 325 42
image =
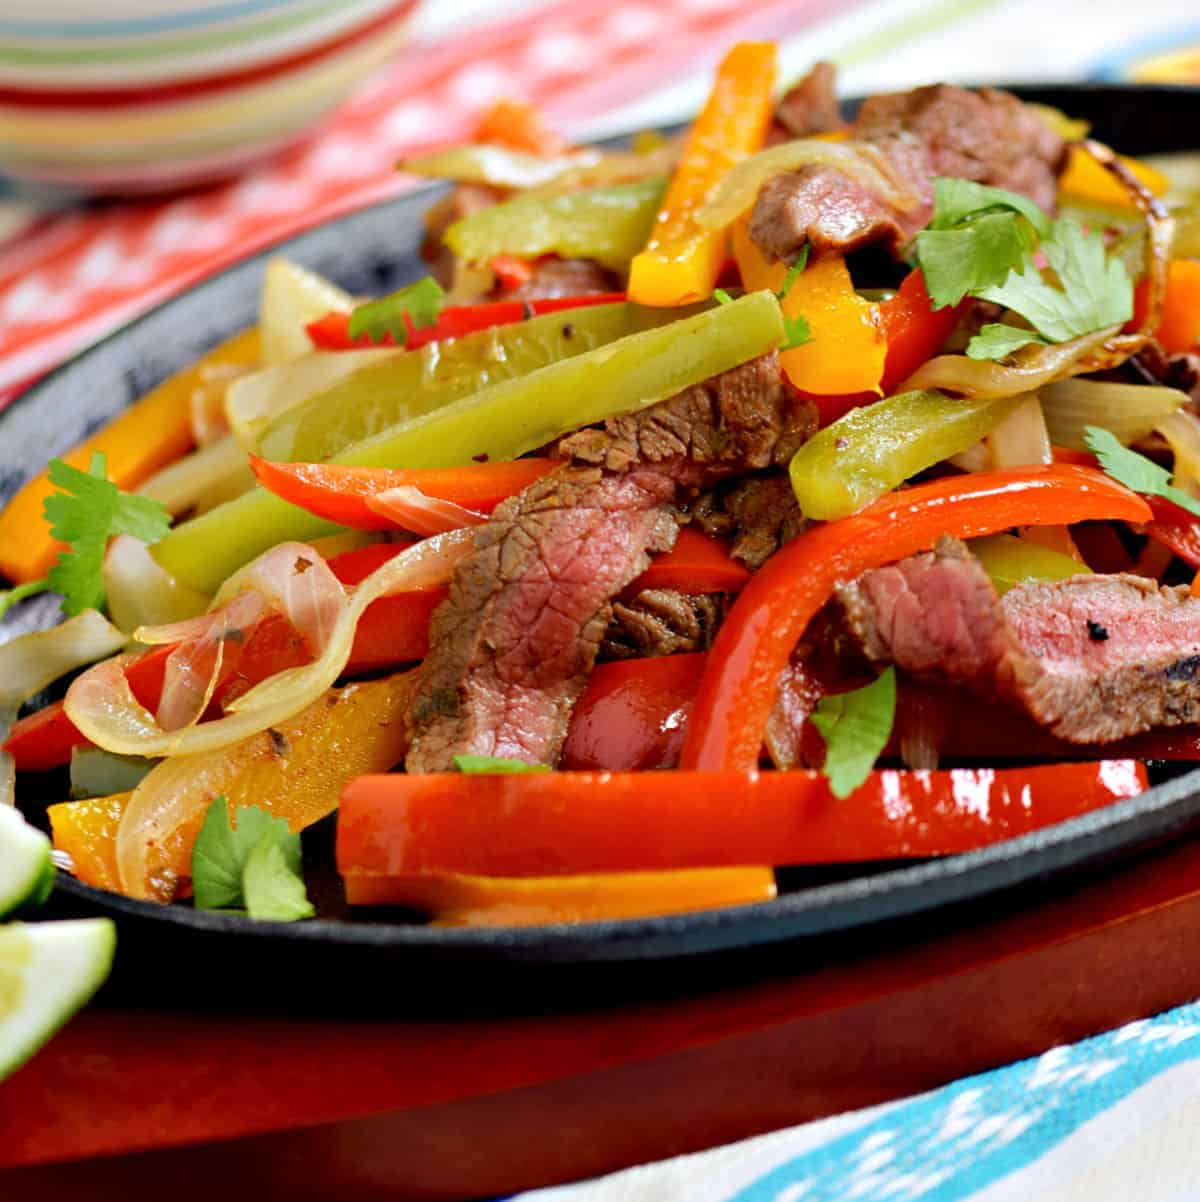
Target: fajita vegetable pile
pixel 794 491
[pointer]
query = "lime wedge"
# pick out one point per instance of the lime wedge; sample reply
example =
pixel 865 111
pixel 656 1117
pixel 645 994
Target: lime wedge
pixel 26 871
pixel 47 971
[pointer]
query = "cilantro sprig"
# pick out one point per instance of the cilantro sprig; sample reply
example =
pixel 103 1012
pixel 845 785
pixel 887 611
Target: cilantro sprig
pixel 982 242
pixel 856 727
pixel 420 303
pixel 483 764
pixel 85 512
pixel 251 868
pixel 1135 471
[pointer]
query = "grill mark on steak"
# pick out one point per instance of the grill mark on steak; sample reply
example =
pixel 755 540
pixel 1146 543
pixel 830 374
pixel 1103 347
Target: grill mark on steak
pixel 937 615
pixel 513 644
pixel 988 136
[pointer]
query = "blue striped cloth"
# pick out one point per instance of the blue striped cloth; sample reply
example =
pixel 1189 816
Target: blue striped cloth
pixel 1111 1119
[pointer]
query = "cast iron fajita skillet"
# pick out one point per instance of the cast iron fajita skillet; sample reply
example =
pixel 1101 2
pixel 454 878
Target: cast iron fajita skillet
pixel 335 963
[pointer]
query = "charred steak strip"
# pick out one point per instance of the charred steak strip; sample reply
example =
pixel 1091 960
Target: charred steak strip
pixel 1093 658
pixel 987 136
pixel 661 621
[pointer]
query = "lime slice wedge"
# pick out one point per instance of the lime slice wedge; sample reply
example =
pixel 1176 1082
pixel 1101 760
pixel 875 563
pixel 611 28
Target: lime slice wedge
pixel 47 971
pixel 26 871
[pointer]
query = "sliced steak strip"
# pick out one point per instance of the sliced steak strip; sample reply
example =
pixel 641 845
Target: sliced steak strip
pixel 761 513
pixel 513 644
pixel 809 106
pixel 553 278
pixel 987 136
pixel 1093 658
pixel 735 422
pixel 662 621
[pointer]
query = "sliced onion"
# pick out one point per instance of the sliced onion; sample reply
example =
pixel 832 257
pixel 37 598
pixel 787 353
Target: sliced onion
pixel 102 705
pixel 920 731
pixel 1032 368
pixel 195 668
pixel 1021 440
pixel 497 166
pixel 1130 411
pixel 203 479
pixel 252 401
pixel 140 591
pixel 1182 431
pixel 862 162
pixel 31 662
pixel 412 509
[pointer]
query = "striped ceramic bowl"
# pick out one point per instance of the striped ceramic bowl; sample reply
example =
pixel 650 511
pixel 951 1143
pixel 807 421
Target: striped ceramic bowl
pixel 122 96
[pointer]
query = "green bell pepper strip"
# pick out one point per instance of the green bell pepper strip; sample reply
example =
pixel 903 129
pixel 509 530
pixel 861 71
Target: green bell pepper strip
pixel 875 448
pixel 375 398
pixel 1009 561
pixel 503 421
pixel 609 225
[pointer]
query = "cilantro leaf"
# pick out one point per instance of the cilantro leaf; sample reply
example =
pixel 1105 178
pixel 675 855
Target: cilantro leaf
pixel 420 303
pixel 494 764
pixel 10 597
pixel 960 262
pixel 976 236
pixel 856 727
pixel 272 884
pixel 1095 291
pixel 956 201
pixel 86 511
pixel 796 331
pixel 1135 471
pixel 792 272
pixel 722 297
pixel 995 341
pixel 244 867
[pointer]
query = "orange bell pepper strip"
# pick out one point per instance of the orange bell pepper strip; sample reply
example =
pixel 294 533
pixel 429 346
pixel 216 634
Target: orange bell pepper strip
pixel 567 823
pixel 87 831
pixel 151 433
pixel 1087 180
pixel 681 261
pixel 1179 326
pixel 847 346
pixel 520 126
pixel 457 899
pixel 757 637
pixel 339 493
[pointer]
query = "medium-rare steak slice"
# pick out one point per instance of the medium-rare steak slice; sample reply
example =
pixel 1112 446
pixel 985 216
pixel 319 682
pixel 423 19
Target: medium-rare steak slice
pixel 1092 658
pixel 809 106
pixel 513 644
pixel 988 136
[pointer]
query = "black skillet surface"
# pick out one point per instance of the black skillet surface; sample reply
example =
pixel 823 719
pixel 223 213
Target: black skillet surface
pixel 339 964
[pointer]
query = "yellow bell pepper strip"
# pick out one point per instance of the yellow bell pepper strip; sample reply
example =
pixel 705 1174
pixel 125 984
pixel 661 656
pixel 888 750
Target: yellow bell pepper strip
pixel 87 831
pixel 1086 180
pixel 875 448
pixel 681 261
pixel 502 422
pixel 460 899
pixel 608 225
pixel 847 346
pixel 148 435
pixel 294 771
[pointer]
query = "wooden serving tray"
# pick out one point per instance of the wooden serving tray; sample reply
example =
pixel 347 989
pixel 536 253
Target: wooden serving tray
pixel 124 1102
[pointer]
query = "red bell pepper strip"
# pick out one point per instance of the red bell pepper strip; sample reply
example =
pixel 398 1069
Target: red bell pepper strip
pixel 557 823
pixel 696 564
pixel 332 332
pixel 339 493
pixel 757 637
pixel 1175 528
pixel 633 714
